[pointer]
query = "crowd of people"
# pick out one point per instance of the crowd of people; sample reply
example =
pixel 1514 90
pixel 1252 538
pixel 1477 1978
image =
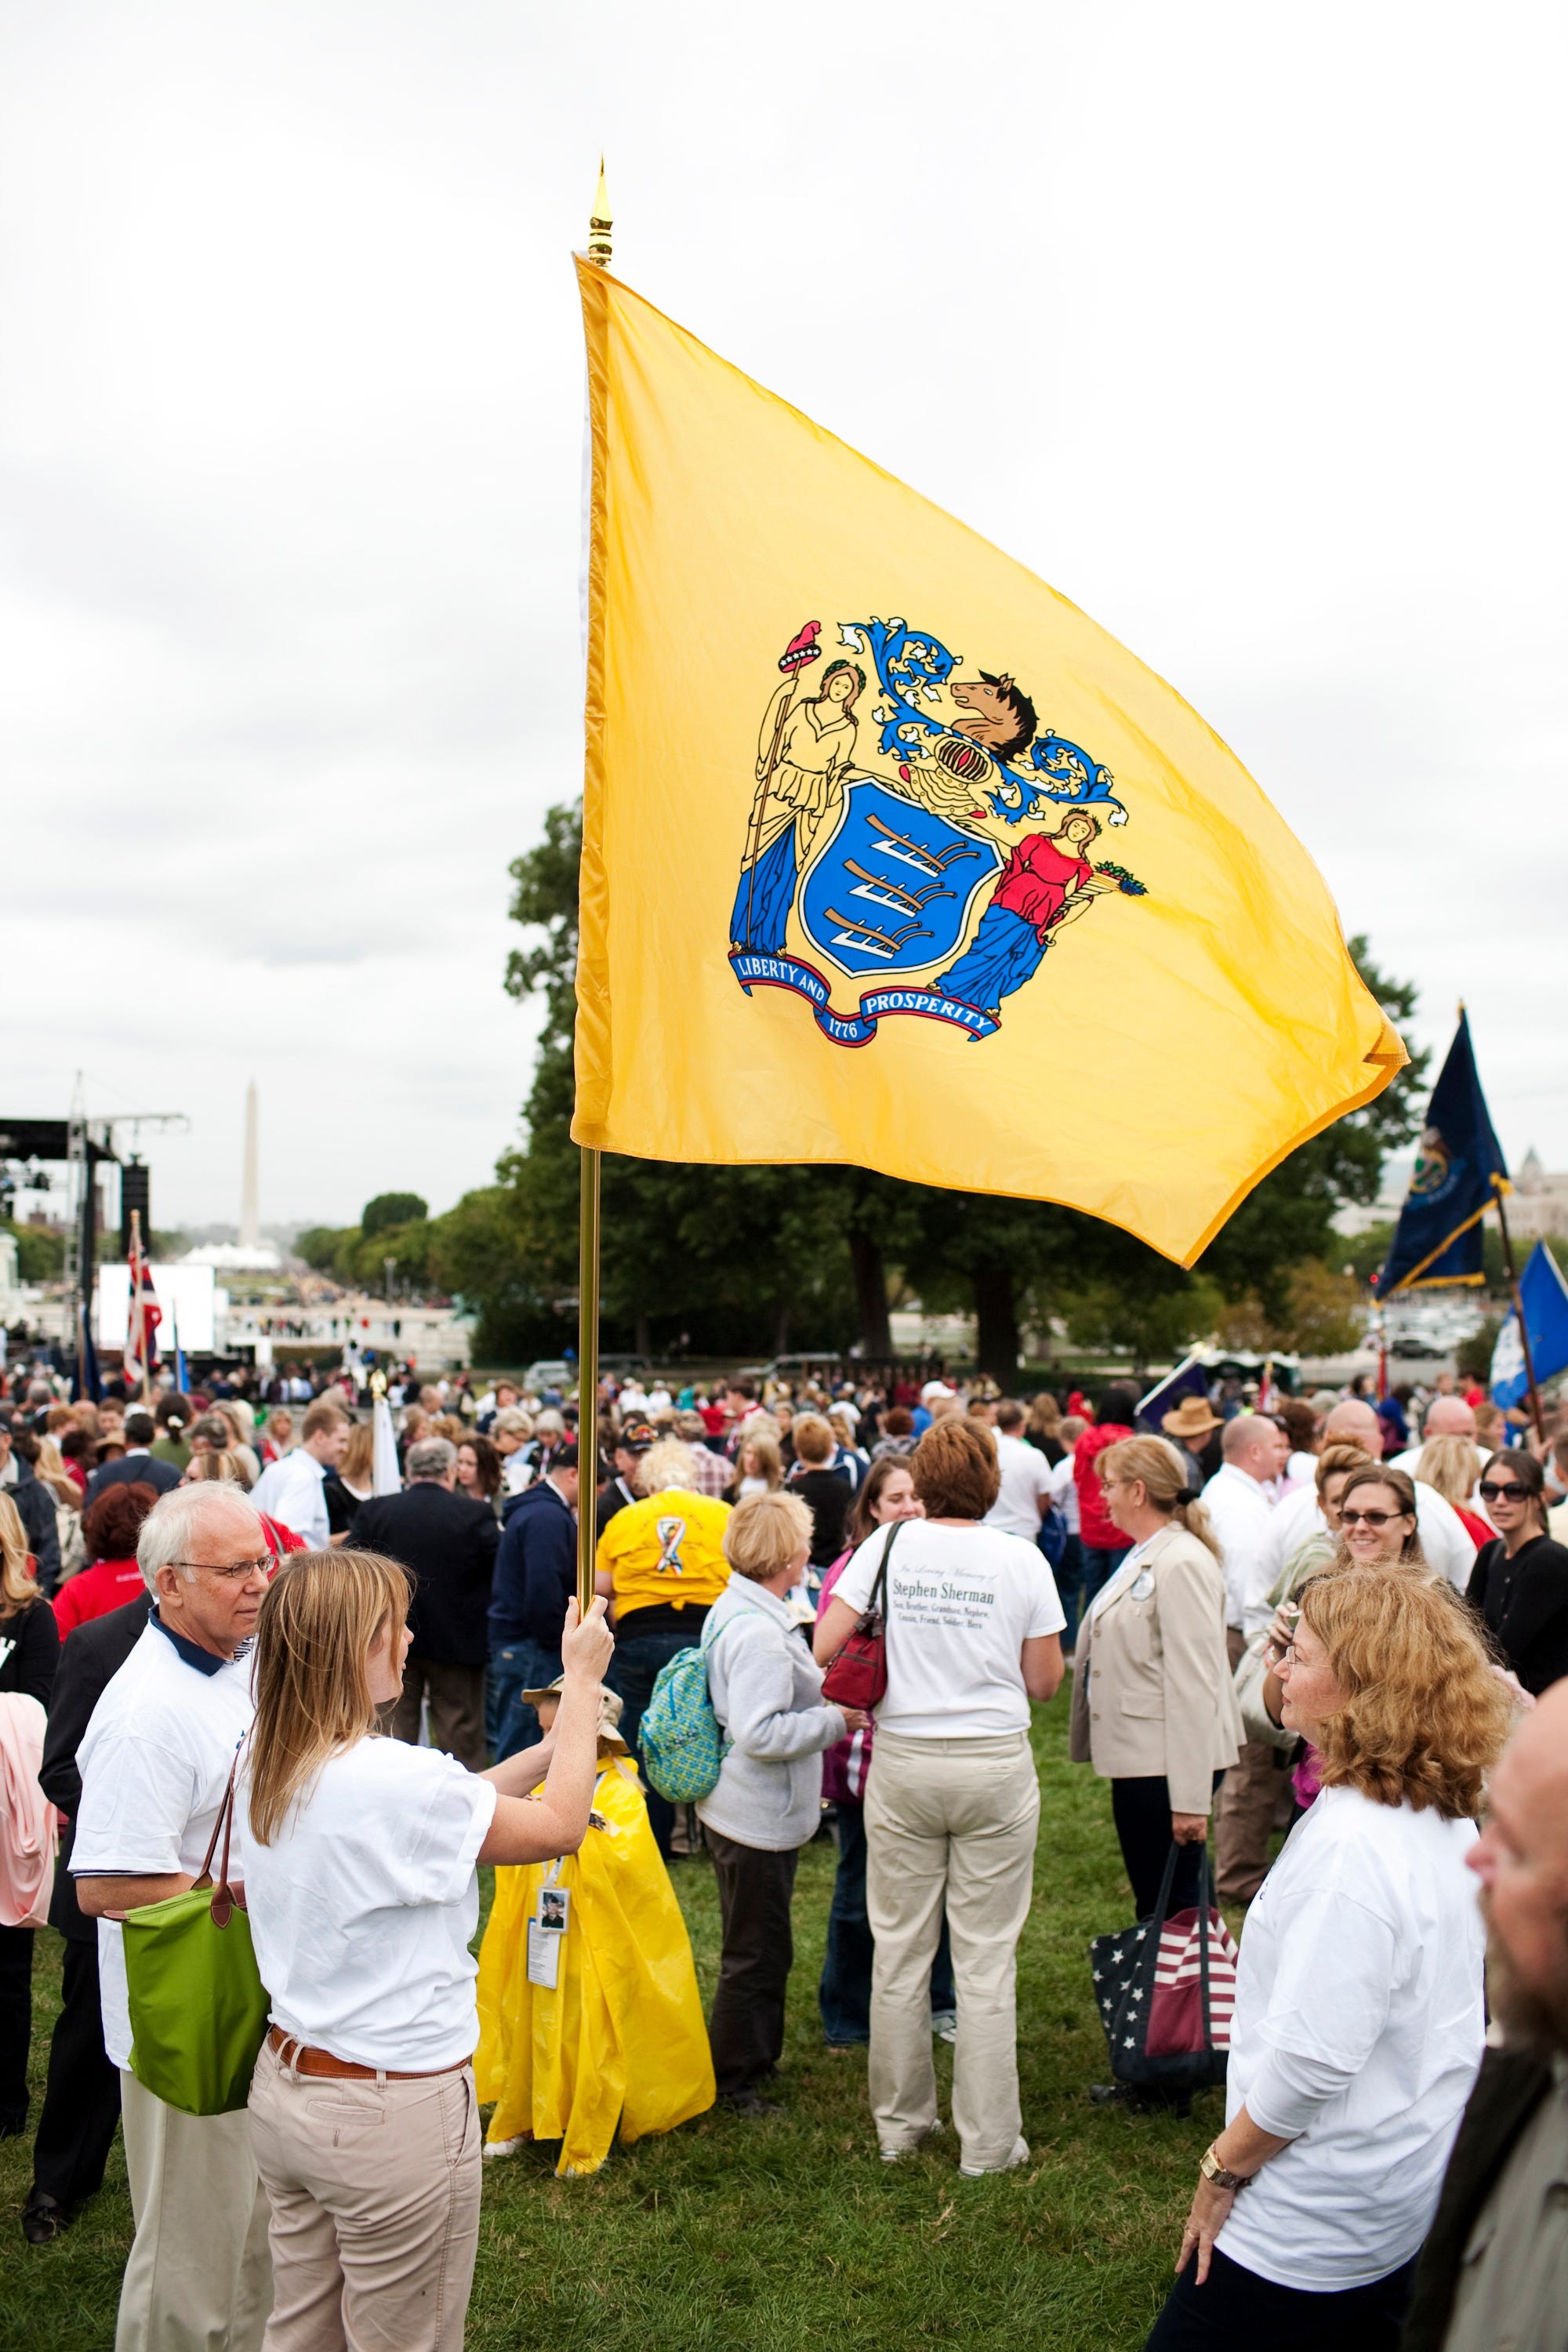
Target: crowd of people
pixel 1342 1624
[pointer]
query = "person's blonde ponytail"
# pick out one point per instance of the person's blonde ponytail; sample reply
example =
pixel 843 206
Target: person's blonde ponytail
pixel 1157 1465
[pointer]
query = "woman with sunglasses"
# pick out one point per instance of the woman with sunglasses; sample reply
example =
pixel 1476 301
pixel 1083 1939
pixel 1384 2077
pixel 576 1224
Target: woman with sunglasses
pixel 1518 1585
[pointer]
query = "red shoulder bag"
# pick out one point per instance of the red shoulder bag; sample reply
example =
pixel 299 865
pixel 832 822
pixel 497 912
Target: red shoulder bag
pixel 858 1672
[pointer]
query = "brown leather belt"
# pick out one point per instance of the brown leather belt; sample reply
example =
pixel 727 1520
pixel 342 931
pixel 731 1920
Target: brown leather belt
pixel 301 2058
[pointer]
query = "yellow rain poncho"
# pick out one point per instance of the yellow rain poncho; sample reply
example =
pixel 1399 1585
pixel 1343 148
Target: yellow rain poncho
pixel 620 2038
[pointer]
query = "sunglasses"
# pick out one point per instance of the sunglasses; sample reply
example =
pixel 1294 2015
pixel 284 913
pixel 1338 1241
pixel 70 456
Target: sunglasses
pixel 1491 1492
pixel 1368 1518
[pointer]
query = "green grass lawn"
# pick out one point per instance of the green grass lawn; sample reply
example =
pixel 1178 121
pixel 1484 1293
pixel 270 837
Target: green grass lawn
pixel 789 2233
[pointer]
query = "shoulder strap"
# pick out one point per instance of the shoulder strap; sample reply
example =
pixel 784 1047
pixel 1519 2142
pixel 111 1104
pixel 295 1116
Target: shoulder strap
pixel 222 1895
pixel 879 1601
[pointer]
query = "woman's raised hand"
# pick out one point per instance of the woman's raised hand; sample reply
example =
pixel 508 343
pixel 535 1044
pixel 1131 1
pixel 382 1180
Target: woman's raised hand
pixel 586 1643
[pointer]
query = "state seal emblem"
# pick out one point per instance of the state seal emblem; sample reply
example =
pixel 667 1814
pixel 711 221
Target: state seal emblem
pixel 924 833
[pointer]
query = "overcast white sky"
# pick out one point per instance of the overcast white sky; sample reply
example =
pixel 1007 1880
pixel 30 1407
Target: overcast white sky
pixel 1240 325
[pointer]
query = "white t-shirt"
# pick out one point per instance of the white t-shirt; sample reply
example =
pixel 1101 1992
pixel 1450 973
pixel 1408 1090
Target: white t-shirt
pixel 293 1490
pixel 961 1602
pixel 1242 1512
pixel 1359 2026
pixel 1064 1492
pixel 154 1762
pixel 362 1907
pixel 1025 1488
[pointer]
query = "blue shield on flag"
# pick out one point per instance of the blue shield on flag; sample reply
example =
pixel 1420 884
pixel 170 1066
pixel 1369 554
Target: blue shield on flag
pixel 892 889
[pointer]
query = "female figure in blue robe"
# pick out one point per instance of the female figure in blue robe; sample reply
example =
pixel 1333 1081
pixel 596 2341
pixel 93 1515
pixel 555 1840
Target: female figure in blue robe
pixel 803 751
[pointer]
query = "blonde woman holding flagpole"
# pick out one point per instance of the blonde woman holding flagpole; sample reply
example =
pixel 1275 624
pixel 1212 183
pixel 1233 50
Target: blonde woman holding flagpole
pixel 362 1888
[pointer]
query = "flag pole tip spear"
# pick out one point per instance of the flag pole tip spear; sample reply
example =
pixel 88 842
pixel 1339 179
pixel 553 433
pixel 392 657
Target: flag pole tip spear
pixel 600 222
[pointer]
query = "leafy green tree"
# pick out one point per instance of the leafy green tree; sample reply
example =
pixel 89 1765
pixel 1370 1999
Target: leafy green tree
pixel 318 1246
pixel 1289 1216
pixel 1154 1324
pixel 739 1258
pixel 40 1250
pixel 390 1209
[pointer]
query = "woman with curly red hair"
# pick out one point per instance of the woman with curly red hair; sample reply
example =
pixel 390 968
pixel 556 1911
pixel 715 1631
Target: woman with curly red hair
pixel 1359 2022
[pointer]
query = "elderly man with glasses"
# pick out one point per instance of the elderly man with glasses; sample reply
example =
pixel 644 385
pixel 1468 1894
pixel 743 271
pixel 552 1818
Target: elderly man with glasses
pixel 154 1762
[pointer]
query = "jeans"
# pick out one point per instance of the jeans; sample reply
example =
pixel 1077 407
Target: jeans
pixel 1237 2311
pixel 634 1669
pixel 516 1666
pixel 1069 1589
pixel 844 1995
pixel 1099 1568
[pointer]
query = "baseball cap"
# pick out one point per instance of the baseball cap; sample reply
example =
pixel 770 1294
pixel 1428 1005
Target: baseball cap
pixel 638 1436
pixel 936 1389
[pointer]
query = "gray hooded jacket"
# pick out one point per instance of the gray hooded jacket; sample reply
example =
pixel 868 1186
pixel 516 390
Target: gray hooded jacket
pixel 767 1695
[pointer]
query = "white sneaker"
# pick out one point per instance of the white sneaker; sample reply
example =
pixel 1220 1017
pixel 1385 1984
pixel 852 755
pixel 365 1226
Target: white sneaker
pixel 944 2024
pixel 494 2148
pixel 978 2171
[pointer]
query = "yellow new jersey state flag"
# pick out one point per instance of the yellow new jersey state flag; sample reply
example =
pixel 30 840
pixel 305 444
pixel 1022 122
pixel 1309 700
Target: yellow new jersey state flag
pixel 891 856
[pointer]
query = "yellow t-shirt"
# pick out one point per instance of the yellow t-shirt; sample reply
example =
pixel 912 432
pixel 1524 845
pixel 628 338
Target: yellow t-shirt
pixel 668 1547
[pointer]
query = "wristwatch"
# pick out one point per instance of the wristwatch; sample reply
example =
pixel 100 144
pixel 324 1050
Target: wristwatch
pixel 1214 2170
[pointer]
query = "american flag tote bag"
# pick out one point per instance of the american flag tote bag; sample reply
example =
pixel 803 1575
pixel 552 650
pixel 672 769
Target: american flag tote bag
pixel 1166 1989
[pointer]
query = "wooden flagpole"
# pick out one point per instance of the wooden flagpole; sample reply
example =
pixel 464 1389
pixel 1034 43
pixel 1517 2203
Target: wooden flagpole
pixel 599 227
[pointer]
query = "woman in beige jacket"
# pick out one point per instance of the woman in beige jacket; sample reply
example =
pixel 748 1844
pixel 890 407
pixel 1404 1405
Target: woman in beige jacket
pixel 1152 1705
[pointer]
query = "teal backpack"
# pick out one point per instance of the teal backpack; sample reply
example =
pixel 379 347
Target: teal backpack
pixel 681 1744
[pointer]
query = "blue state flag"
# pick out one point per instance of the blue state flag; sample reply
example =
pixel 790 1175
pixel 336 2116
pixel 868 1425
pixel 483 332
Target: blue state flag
pixel 1545 1296
pixel 1459 1173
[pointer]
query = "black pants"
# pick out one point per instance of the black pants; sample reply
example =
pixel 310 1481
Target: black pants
pixel 747 2029
pixel 81 2095
pixel 16 2025
pixel 1235 2307
pixel 1141 1812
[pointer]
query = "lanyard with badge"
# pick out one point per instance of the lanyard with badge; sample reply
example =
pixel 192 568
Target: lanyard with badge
pixel 547 1928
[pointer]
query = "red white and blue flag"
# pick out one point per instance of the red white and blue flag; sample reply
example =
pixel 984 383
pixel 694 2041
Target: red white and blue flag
pixel 144 1316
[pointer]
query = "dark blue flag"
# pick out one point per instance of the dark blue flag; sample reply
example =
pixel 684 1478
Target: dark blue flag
pixel 1459 1172
pixel 87 1386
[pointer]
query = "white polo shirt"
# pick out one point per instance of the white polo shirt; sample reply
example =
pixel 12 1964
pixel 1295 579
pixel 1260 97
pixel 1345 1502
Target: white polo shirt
pixel 154 1762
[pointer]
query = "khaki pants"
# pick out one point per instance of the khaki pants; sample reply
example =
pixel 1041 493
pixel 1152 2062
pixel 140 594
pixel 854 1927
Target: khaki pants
pixel 1252 1797
pixel 198 2278
pixel 457 1697
pixel 374 2190
pixel 949 1822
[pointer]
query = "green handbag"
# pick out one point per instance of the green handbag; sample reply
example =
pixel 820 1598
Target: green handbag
pixel 198 2007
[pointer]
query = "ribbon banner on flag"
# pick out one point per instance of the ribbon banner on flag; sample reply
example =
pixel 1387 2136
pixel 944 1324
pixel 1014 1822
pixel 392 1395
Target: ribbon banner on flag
pixel 1545 1296
pixel 932 866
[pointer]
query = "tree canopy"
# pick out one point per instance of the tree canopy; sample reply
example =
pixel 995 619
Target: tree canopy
pixel 740 1260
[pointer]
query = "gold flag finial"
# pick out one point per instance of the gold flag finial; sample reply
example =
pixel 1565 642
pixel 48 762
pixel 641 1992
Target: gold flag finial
pixel 600 224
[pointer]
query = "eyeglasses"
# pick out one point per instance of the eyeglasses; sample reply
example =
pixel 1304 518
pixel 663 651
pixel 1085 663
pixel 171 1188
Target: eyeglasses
pixel 1368 1518
pixel 1491 1492
pixel 237 1571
